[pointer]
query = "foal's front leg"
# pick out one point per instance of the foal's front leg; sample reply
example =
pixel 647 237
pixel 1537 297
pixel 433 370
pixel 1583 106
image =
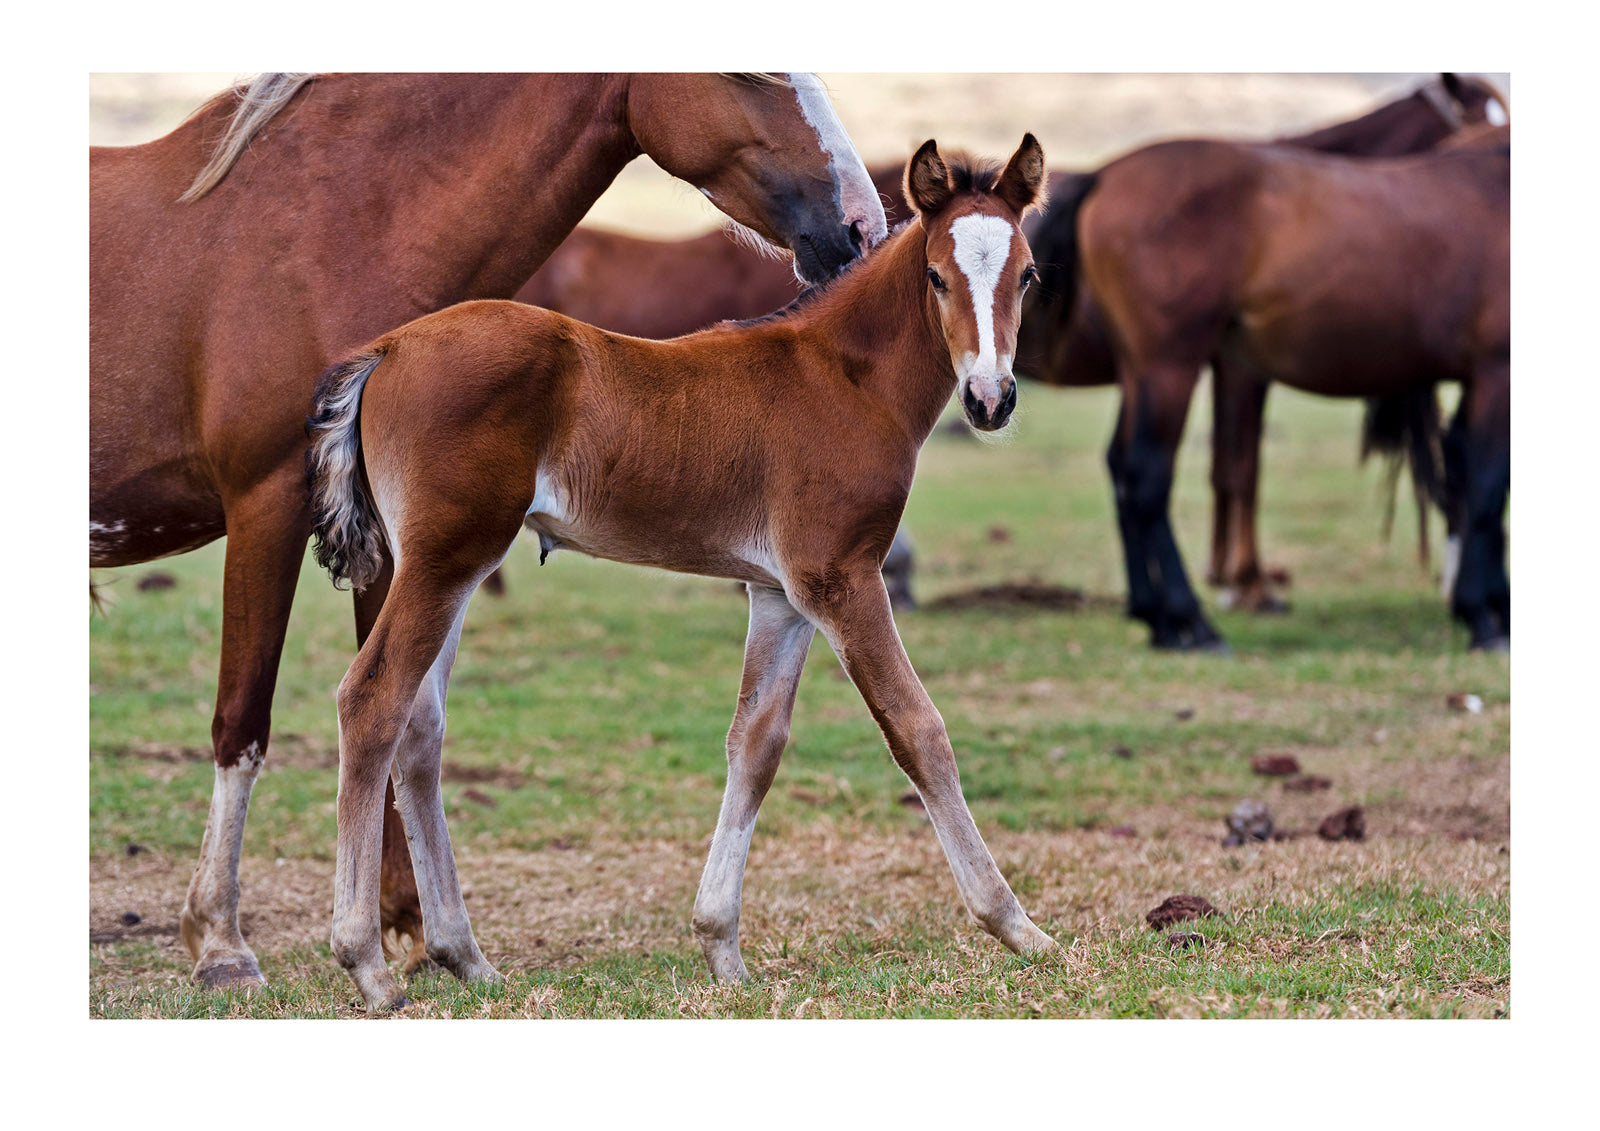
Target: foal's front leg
pixel 774 654
pixel 858 623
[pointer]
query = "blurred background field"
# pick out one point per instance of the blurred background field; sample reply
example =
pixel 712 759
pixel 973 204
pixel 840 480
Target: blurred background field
pixel 584 758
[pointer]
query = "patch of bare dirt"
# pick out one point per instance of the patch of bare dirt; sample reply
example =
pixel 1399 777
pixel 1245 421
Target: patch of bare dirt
pixel 569 906
pixel 1018 594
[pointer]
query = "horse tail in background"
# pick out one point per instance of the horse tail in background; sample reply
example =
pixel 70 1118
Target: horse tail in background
pixel 1055 248
pixel 1404 426
pixel 350 540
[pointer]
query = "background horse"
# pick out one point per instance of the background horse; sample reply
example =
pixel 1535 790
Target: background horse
pixel 291 219
pixel 779 453
pixel 1339 277
pixel 1066 341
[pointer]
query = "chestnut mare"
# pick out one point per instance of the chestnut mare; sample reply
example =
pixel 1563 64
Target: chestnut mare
pixel 1065 339
pixel 778 452
pixel 1345 278
pixel 290 220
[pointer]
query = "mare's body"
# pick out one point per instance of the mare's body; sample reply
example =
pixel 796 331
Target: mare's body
pixel 1066 339
pixel 1342 278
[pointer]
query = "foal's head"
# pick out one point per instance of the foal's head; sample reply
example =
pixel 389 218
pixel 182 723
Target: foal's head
pixel 979 266
pixel 768 151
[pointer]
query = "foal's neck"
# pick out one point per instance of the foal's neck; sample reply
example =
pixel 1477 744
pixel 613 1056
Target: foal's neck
pixel 880 326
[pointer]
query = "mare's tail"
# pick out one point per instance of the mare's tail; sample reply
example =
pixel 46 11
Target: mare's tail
pixel 350 541
pixel 1404 426
pixel 1055 248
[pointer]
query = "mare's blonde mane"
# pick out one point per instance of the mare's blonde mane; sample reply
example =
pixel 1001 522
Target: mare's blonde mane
pixel 259 100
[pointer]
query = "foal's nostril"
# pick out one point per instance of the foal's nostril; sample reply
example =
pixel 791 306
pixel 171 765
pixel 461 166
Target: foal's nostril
pixel 975 410
pixel 1010 400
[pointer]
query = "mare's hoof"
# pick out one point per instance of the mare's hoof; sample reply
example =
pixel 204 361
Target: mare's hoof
pixel 232 973
pixel 1213 644
pixel 1493 644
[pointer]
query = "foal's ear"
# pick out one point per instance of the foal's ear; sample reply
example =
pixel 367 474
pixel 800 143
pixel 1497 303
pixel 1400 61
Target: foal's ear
pixel 1022 184
pixel 928 185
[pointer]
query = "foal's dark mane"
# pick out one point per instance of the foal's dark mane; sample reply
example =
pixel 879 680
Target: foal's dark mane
pixel 967 174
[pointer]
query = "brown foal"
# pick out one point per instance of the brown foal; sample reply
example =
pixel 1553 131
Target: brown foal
pixel 779 453
pixel 292 219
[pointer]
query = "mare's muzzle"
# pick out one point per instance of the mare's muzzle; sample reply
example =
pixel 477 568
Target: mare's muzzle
pixel 821 254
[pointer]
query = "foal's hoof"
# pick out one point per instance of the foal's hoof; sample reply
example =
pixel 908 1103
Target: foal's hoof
pixel 1493 644
pixel 229 972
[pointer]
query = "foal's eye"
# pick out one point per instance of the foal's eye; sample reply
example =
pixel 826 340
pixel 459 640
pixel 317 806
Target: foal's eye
pixel 938 283
pixel 1030 275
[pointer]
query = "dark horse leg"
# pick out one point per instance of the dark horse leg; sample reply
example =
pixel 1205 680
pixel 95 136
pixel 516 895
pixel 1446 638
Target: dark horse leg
pixel 1142 459
pixel 1480 448
pixel 399 907
pixel 267 531
pixel 1239 401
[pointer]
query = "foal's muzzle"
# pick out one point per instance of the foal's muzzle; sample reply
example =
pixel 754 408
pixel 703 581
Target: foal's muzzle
pixel 980 415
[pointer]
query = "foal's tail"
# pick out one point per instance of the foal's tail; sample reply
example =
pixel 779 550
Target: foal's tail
pixel 1405 426
pixel 350 541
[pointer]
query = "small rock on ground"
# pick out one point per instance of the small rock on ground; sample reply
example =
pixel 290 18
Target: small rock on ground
pixel 1275 765
pixel 1177 908
pixel 1346 824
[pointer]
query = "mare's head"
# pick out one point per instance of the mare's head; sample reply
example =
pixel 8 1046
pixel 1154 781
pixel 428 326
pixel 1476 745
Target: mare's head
pixel 769 151
pixel 978 266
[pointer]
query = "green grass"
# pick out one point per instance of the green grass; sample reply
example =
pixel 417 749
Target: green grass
pixel 590 706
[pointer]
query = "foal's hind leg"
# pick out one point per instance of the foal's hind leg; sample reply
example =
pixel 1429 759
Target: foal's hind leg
pixel 450 942
pixel 376 699
pixel 774 655
pixel 267 531
pixel 399 908
pixel 853 611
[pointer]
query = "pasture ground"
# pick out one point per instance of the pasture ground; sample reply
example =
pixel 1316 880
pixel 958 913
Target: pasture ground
pixel 584 765
pixel 584 760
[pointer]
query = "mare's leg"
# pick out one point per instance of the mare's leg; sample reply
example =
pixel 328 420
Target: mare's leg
pixel 1239 406
pixel 852 609
pixel 1142 460
pixel 1482 596
pixel 1143 599
pixel 774 655
pixel 399 909
pixel 267 532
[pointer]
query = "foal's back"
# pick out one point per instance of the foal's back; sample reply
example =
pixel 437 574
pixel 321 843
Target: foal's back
pixel 702 442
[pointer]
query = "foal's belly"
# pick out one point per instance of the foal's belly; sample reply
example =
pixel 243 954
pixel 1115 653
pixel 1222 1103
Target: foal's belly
pixel 653 532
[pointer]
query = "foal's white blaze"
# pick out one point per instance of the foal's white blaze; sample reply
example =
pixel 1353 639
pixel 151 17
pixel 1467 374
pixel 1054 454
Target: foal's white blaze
pixel 983 247
pixel 858 199
pixel 1496 113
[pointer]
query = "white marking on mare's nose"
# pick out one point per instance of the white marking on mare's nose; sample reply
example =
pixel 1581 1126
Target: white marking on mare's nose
pixel 1496 113
pixel 983 247
pixel 858 197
